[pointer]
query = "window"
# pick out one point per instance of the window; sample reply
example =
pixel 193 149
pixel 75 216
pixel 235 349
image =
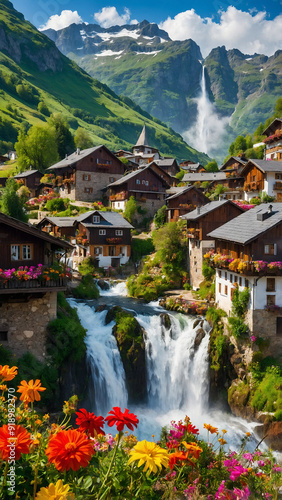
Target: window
pixel 278 176
pixel 225 275
pixel 235 279
pixel 270 300
pixel 102 232
pixel 137 181
pixel 3 335
pixel 270 249
pixel 240 281
pixel 21 252
pixel 231 278
pixel 112 251
pixel 226 290
pixel 219 287
pixel 254 178
pixel 112 179
pixel 219 274
pixel 98 250
pixel 119 232
pixel 143 182
pixel 246 283
pixel 88 190
pixel 86 177
pixel 147 183
pixel 96 219
pixel 270 284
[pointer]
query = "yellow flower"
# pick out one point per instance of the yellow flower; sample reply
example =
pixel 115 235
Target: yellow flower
pixel 222 441
pixel 3 387
pixel 211 429
pixel 150 454
pixel 57 491
pixel 38 421
pixel 223 431
pixel 248 434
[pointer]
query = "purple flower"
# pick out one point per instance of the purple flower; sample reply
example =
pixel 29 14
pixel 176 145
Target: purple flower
pixel 248 456
pixel 276 468
pixel 253 338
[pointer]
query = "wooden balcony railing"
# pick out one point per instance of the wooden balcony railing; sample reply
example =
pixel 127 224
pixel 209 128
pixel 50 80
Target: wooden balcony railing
pixel 32 285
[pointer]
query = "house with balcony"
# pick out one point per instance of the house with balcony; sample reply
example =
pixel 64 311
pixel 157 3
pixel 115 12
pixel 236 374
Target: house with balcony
pixel 273 141
pixel 106 236
pixel 31 179
pixel 248 253
pixel 145 185
pixel 234 164
pixel 262 176
pixel 199 224
pixel 84 175
pixel 61 227
pixel 29 283
pixel 184 200
pixel 169 165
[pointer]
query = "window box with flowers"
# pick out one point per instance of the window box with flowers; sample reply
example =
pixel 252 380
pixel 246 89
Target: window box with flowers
pixel 33 277
pixel 272 308
pixel 113 241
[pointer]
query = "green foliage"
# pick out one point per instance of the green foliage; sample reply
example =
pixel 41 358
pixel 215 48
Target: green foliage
pixel 218 341
pixel 160 217
pixel 87 266
pixel 180 174
pixel 240 302
pixel 220 189
pixel 37 148
pixel 206 290
pixel 238 327
pixel 255 201
pixel 55 205
pixel 63 135
pixel 278 415
pixel 130 209
pixel 82 139
pixel 141 247
pixel 65 339
pixel 265 198
pixel 207 271
pixel 267 395
pixel 11 204
pixel 212 166
pixel 27 93
pixel 43 108
pixel 87 289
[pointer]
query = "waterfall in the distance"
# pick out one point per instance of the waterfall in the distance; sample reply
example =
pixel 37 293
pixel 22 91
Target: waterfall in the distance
pixel 206 134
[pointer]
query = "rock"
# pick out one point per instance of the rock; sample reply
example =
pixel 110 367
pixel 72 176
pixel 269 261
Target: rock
pixel 104 285
pixel 165 320
pixel 196 323
pixel 111 314
pixel 101 308
pixel 199 337
pixel 272 434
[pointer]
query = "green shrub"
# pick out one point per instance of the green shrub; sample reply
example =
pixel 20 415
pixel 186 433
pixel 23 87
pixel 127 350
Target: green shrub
pixel 278 415
pixel 206 290
pixel 255 201
pixel 160 217
pixel 43 108
pixel 238 327
pixel 87 289
pixel 141 247
pixel 55 205
pixel 267 395
pixel 208 271
pixel 87 266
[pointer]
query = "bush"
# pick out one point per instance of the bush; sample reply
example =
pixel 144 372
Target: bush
pixel 278 415
pixel 43 108
pixel 141 247
pixel 208 271
pixel 87 289
pixel 55 205
pixel 238 327
pixel 160 217
pixel 267 395
pixel 87 266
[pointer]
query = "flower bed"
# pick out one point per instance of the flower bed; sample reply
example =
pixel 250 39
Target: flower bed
pixel 242 266
pixel 29 277
pixel 66 462
pixel 184 306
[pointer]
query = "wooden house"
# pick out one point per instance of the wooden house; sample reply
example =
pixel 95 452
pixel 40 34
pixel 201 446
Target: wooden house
pixel 30 179
pixel 183 201
pixel 171 180
pixel 107 236
pixel 145 185
pixel 234 164
pixel 61 227
pixel 248 253
pixel 200 222
pixel 263 176
pixel 169 165
pixel 84 175
pixel 191 167
pixel 28 301
pixel 273 140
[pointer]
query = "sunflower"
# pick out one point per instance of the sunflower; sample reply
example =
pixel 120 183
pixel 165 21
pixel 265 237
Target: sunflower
pixel 30 391
pixel 150 454
pixel 69 449
pixel 57 491
pixel 14 442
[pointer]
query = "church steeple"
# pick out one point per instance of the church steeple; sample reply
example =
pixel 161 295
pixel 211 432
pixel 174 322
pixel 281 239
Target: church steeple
pixel 142 141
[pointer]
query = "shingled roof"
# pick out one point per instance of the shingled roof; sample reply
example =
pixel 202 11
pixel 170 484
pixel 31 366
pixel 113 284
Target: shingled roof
pixel 142 140
pixel 26 173
pixel 108 219
pixel 204 176
pixel 264 165
pixel 200 212
pixel 271 129
pixel 247 226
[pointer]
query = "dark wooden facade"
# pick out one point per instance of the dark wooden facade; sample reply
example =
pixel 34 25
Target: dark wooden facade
pixel 185 202
pixel 145 184
pixel 60 231
pixel 31 181
pixel 212 220
pixel 164 174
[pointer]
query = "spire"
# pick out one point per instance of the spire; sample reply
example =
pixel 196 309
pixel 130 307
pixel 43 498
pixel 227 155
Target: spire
pixel 142 141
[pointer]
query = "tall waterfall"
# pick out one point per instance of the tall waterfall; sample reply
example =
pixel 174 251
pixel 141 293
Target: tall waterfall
pixel 206 134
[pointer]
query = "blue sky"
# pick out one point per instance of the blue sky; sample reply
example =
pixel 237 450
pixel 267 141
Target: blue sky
pixel 248 25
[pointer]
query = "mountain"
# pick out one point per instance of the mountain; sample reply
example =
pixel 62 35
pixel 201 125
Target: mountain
pixel 33 71
pixel 163 76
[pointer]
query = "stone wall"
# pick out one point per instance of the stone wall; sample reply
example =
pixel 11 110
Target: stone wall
pixel 195 263
pixel 264 324
pixel 26 322
pixel 98 181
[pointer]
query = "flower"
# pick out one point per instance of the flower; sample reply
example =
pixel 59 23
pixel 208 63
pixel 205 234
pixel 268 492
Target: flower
pixel 211 429
pixel 116 416
pixel 30 391
pixel 150 454
pixel 222 441
pixel 57 491
pixel 193 449
pixel 69 450
pixel 89 423
pixel 7 373
pixel 17 437
pixel 253 338
pixel 178 456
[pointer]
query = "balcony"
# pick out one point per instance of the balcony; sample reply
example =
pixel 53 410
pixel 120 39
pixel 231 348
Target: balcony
pixel 32 286
pixel 34 279
pixel 248 268
pixel 193 233
pixel 277 186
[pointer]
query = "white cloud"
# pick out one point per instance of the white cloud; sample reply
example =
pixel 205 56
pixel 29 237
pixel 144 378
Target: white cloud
pixel 248 32
pixel 58 22
pixel 109 16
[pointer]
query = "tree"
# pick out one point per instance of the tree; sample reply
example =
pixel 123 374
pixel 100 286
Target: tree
pixel 64 137
pixel 11 203
pixel 37 148
pixel 43 108
pixel 212 166
pixel 220 189
pixel 130 209
pixel 82 139
pixel 169 244
pixel 239 144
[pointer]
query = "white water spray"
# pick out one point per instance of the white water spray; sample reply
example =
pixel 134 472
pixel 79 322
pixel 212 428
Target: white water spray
pixel 207 133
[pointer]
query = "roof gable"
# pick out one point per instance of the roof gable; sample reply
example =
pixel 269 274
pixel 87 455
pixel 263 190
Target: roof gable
pixel 201 212
pixel 274 125
pixel 107 219
pixel 80 155
pixel 137 173
pixel 142 139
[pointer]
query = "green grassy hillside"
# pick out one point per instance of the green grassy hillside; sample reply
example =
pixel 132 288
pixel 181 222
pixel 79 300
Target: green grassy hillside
pixel 32 70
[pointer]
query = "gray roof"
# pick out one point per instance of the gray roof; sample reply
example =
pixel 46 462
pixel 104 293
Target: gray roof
pixel 271 127
pixel 167 162
pixel 60 221
pixel 127 176
pixel 236 158
pixel 204 176
pixel 113 219
pixel 181 191
pixel 142 140
pixel 74 157
pixel 201 211
pixel 26 173
pixel 245 228
pixel 265 165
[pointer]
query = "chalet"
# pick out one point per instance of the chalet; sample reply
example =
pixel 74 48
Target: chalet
pixel 199 224
pixel 84 174
pixel 30 179
pixel 171 180
pixel 263 176
pixel 273 140
pixel 183 201
pixel 234 164
pixel 212 177
pixel 61 227
pixel 107 236
pixel 169 165
pixel 248 253
pixel 142 148
pixel 191 167
pixel 28 305
pixel 145 185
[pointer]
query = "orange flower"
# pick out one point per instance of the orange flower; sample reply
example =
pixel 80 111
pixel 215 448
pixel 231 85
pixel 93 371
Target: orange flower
pixel 178 456
pixel 211 429
pixel 30 391
pixel 7 373
pixel 69 450
pixel 14 442
pixel 193 449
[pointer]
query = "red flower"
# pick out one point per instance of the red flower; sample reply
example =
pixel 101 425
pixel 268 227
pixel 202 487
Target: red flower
pixel 14 442
pixel 69 450
pixel 121 419
pixel 191 429
pixel 89 423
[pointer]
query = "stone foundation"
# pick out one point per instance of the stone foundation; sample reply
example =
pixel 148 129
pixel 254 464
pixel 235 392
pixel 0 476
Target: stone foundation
pixel 264 324
pixel 24 323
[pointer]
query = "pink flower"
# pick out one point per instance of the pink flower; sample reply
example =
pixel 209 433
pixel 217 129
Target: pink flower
pixel 248 456
pixel 253 338
pixel 242 494
pixel 276 468
pixel 237 472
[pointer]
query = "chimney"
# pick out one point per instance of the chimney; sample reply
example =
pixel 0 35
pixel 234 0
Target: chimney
pixel 198 210
pixel 78 151
pixel 66 157
pixel 270 209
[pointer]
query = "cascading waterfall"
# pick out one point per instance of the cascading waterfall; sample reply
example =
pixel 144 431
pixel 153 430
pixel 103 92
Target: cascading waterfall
pixel 206 134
